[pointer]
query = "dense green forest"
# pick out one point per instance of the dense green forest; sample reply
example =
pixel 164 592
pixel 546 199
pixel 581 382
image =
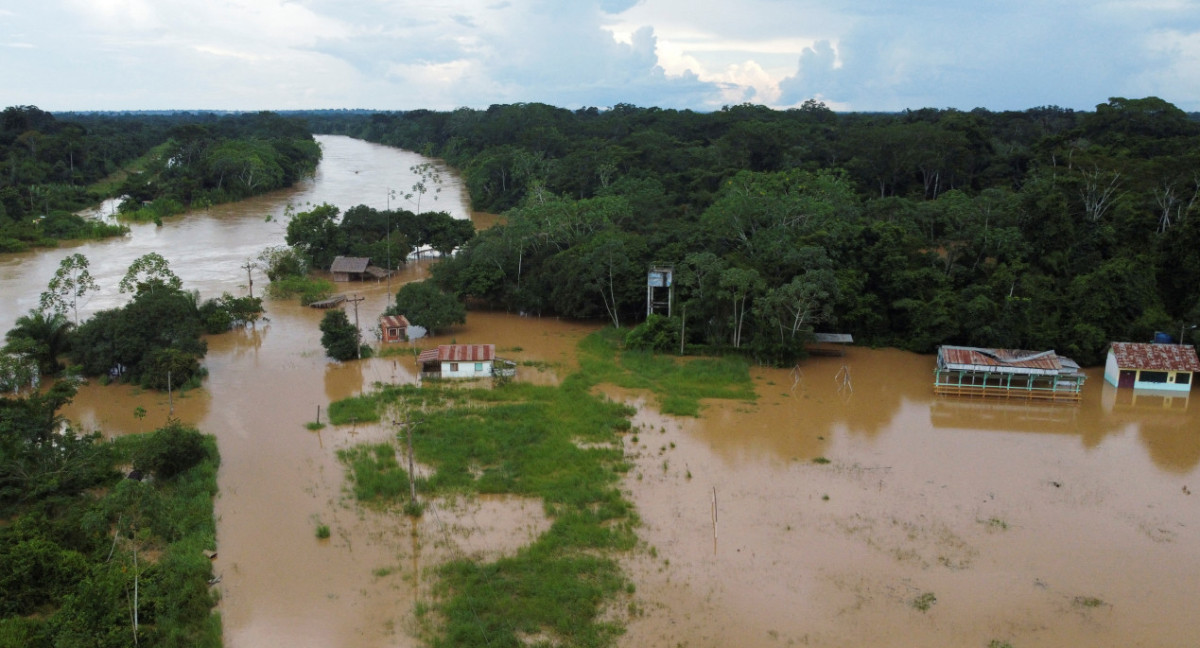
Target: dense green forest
pixel 89 557
pixel 54 165
pixel 1044 228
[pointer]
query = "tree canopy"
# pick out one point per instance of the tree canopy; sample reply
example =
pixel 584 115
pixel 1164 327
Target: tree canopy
pixel 1042 228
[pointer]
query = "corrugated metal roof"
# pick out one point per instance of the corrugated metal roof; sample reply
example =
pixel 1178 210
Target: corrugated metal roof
pixel 466 352
pixel 392 321
pixel 1155 357
pixel 349 264
pixel 459 353
pixel 1001 360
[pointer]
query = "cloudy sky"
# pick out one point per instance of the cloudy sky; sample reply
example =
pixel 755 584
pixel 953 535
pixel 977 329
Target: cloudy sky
pixel 861 55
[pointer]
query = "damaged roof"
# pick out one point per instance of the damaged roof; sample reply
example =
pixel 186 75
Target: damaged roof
pixel 1014 361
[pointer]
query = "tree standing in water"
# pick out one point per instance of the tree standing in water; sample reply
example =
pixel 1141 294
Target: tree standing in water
pixel 71 282
pixel 339 336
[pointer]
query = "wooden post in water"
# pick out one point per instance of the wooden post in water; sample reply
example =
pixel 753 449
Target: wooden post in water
pixel 714 518
pixel 412 477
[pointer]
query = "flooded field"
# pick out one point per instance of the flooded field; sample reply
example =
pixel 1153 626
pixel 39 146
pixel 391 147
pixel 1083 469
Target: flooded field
pixel 830 512
pixel 843 510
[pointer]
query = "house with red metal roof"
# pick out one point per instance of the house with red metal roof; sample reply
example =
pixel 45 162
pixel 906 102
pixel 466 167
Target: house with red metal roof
pixel 1164 367
pixel 458 361
pixel 1007 373
pixel 393 328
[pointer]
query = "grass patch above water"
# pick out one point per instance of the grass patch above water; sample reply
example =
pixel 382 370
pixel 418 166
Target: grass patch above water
pixel 522 440
pixel 308 289
pixel 678 383
pixel 559 444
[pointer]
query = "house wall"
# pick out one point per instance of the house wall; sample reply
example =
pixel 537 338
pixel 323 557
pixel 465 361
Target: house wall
pixel 1111 371
pixel 467 370
pixel 1171 384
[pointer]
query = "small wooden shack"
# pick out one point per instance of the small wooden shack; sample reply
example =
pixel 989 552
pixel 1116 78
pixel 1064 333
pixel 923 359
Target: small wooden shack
pixel 830 344
pixel 1007 373
pixel 346 268
pixel 1163 367
pixel 457 361
pixel 394 328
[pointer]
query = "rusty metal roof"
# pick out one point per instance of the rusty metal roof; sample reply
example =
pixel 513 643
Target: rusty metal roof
pixel 393 321
pixel 459 353
pixel 1003 360
pixel 1155 357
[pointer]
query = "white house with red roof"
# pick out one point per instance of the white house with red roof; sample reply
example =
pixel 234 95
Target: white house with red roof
pixel 1163 367
pixel 458 361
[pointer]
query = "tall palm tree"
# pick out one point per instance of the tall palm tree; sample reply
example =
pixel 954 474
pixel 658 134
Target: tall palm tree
pixel 43 335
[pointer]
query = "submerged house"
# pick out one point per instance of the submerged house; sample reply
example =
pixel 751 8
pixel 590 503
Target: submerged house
pixel 393 328
pixel 1007 373
pixel 345 268
pixel 1164 367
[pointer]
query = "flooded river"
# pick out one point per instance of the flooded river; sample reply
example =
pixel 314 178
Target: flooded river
pixel 842 507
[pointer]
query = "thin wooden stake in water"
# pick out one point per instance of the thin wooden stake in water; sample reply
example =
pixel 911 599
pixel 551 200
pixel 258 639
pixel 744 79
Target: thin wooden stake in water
pixel 843 380
pixel 714 518
pixel 412 477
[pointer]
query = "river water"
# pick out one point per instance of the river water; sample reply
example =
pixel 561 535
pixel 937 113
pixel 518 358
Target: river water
pixel 1035 525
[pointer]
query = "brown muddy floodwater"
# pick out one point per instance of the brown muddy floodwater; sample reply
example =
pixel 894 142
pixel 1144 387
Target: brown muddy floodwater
pixel 1026 524
pixel 1030 524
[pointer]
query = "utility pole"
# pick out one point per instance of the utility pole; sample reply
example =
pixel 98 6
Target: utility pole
pixel 249 276
pixel 390 193
pixel 408 426
pixel 357 333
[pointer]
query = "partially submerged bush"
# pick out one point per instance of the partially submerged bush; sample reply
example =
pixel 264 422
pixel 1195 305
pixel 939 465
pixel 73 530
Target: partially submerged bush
pixel 170 450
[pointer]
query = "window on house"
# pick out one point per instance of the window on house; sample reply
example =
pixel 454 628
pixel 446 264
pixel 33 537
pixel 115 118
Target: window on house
pixel 1153 376
pixel 1183 378
pixel 478 366
pixel 453 366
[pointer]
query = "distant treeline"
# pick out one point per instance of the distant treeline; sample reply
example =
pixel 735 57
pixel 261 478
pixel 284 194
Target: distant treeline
pixel 1043 228
pixel 53 165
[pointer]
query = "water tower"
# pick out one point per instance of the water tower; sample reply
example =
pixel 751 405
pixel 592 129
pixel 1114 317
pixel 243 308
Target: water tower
pixel 660 289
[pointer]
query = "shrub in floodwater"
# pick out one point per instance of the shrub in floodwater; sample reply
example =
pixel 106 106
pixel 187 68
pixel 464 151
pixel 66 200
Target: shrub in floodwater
pixel 820 460
pixel 322 531
pixel 170 450
pixel 924 601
